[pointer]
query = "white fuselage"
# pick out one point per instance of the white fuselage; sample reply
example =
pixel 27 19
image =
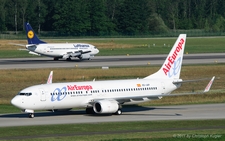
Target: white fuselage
pixel 81 94
pixel 61 49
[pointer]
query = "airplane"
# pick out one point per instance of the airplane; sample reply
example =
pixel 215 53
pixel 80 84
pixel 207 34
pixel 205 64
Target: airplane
pixel 83 51
pixel 107 97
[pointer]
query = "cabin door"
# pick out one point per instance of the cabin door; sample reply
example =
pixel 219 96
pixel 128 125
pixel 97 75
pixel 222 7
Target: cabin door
pixel 42 95
pixel 163 87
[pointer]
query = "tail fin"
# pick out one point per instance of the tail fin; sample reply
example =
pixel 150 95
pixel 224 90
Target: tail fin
pixel 31 36
pixel 172 66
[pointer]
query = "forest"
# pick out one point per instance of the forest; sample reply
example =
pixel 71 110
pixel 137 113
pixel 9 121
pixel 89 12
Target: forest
pixel 112 17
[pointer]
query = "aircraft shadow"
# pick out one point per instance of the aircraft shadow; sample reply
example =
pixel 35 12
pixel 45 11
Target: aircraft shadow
pixel 41 61
pixel 127 110
pixel 43 114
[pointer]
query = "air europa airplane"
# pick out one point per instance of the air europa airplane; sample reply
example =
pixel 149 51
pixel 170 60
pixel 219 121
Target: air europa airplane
pixel 107 97
pixel 58 50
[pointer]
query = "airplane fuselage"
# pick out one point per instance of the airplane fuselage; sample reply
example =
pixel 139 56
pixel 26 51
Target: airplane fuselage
pixel 63 50
pixel 79 94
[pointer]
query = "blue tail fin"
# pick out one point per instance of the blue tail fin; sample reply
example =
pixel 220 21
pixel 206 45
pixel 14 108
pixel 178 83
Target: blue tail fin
pixel 31 36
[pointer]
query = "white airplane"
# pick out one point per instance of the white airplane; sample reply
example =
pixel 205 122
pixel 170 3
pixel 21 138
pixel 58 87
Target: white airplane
pixel 106 97
pixel 58 50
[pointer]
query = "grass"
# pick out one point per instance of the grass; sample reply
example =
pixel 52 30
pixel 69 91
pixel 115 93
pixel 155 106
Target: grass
pixel 124 46
pixel 145 130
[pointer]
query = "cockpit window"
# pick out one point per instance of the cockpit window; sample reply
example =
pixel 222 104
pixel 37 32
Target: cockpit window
pixel 25 94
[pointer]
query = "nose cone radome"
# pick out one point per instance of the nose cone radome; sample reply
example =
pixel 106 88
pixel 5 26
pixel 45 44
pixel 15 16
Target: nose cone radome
pixel 96 51
pixel 15 101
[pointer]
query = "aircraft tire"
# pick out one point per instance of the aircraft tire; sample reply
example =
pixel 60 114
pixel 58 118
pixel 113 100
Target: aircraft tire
pixel 56 59
pixel 68 59
pixel 90 110
pixel 119 112
pixel 31 115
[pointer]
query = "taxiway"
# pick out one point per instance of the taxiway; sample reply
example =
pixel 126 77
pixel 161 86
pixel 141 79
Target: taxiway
pixel 136 113
pixel 108 61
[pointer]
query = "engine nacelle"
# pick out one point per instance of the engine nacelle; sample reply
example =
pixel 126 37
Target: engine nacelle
pixel 106 106
pixel 33 53
pixel 85 57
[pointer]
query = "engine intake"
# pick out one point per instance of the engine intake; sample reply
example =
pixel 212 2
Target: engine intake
pixel 106 106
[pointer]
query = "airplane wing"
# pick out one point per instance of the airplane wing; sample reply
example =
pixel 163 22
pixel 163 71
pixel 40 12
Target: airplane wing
pixel 141 98
pixel 75 54
pixel 187 81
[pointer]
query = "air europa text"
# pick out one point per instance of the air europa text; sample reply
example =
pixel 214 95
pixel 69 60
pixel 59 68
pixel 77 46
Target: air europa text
pixel 171 59
pixel 75 87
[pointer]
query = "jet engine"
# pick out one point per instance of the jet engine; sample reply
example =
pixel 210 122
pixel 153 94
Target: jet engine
pixel 85 57
pixel 106 106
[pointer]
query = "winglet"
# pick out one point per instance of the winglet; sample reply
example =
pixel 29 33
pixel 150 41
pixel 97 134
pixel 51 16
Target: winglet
pixel 207 88
pixel 49 81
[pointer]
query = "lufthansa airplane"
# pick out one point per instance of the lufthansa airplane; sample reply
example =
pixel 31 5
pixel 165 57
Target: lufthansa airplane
pixel 107 97
pixel 58 50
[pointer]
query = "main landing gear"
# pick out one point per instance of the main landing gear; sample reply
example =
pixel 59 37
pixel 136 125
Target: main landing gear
pixel 31 115
pixel 118 112
pixel 56 58
pixel 68 59
pixel 89 110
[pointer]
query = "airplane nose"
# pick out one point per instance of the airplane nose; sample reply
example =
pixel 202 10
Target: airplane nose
pixel 97 51
pixel 15 101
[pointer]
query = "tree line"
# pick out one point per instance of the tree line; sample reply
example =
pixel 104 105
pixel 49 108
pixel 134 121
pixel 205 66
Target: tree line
pixel 112 17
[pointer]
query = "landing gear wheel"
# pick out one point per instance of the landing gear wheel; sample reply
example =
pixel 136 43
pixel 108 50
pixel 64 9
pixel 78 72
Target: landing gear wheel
pixel 119 112
pixel 68 59
pixel 31 115
pixel 89 110
pixel 55 59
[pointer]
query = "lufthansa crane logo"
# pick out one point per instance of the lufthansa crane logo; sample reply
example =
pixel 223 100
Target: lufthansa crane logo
pixel 30 34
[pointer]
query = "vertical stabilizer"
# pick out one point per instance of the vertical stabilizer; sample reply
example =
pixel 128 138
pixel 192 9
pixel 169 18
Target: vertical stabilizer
pixel 172 66
pixel 31 36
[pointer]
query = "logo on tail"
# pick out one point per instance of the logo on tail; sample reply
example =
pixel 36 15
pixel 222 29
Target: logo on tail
pixel 30 34
pixel 172 60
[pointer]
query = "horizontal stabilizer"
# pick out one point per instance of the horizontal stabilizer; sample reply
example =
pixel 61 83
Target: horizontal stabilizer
pixel 22 45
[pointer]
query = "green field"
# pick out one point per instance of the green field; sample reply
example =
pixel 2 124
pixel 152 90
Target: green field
pixel 147 130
